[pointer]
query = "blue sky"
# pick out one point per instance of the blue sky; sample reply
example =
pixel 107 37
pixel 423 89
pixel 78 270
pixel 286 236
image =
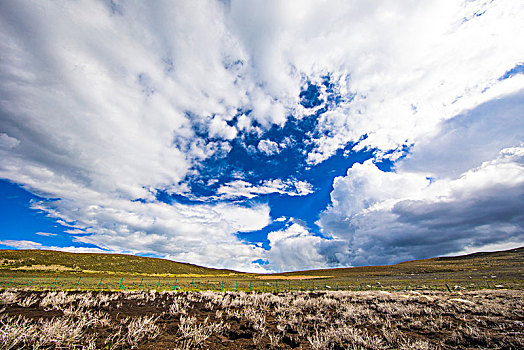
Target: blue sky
pixel 262 136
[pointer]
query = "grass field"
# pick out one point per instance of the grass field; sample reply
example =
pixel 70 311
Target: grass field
pixel 38 269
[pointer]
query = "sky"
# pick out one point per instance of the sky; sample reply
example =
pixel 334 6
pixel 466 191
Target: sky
pixel 262 136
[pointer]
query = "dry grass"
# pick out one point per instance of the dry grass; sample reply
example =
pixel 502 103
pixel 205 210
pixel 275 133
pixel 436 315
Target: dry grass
pixel 237 320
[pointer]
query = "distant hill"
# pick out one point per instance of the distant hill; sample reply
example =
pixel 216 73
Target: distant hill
pixel 508 262
pixel 53 261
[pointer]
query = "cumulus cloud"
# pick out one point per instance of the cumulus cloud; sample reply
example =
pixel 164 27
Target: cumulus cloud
pixel 388 217
pixel 268 147
pixel 295 248
pixel 219 128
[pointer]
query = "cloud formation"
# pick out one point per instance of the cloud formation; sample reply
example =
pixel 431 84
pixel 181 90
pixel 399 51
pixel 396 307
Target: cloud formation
pixel 105 106
pixel 387 217
pixel 268 147
pixel 295 248
pixel 189 233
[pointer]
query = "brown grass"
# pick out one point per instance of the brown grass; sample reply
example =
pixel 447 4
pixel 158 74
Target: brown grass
pixel 310 320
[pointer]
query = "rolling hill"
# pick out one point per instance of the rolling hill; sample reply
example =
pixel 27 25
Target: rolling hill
pixel 505 265
pixel 494 266
pixel 54 261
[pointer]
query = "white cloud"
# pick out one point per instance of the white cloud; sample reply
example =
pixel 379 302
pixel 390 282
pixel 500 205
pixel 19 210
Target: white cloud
pixel 46 234
pixel 72 249
pixel 365 187
pixel 181 232
pixel 268 147
pixel 244 123
pixel 416 66
pixel 240 188
pixel 219 128
pixel 104 105
pixel 295 248
pixel 22 244
pixel 214 61
pixel 388 217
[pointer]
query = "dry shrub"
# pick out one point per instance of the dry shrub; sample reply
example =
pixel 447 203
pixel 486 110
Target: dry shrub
pixel 318 320
pixel 194 334
pixel 8 297
pixel 65 332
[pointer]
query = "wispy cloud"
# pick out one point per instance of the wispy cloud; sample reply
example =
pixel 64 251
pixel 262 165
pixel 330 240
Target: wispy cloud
pixel 22 244
pixel 239 188
pixel 46 234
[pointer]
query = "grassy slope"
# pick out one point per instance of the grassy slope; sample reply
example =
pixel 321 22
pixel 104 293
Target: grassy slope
pixel 509 264
pixel 38 260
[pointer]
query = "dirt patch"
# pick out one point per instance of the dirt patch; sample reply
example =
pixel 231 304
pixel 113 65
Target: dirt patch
pixel 291 278
pixel 60 268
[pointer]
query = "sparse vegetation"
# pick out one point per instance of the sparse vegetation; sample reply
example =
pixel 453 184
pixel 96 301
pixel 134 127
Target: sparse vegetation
pixel 239 320
pixel 34 269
